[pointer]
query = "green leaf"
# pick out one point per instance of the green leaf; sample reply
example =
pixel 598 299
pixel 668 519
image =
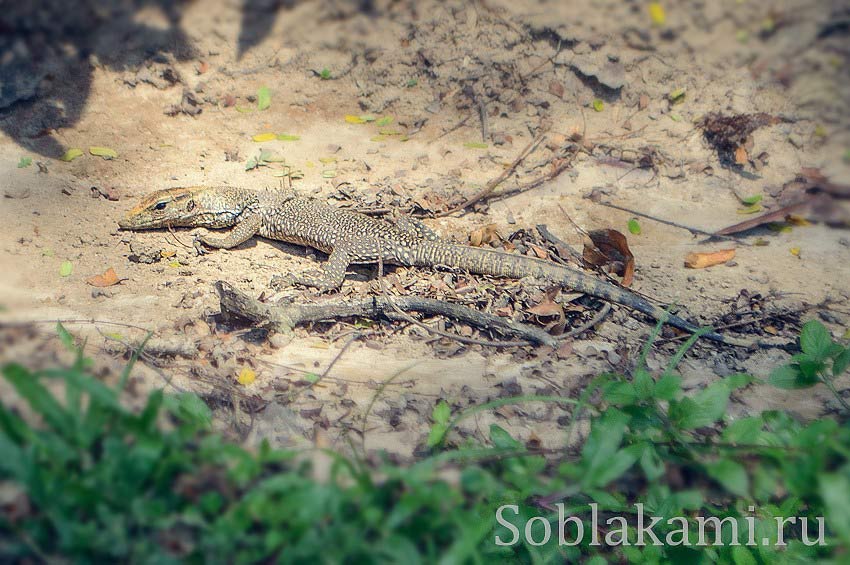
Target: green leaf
pixel 39 398
pixel 105 152
pixel 634 227
pixel 66 268
pixel 598 105
pixel 644 385
pixel 413 82
pixel 667 387
pixel 325 74
pixel 264 98
pixel 329 173
pixel 66 338
pixel 705 408
pixel 441 412
pixel 835 492
pixel 615 466
pixel 24 162
pixel 606 434
pixel 815 340
pixel 738 380
pixel 287 137
pixel 744 431
pixel 620 393
pixel 502 439
pixel 189 408
pixel 731 475
pixel 790 377
pixel 383 122
pixel 71 154
pixel 436 435
pixel 752 200
pixel 742 556
pixel 651 463
pixel 842 361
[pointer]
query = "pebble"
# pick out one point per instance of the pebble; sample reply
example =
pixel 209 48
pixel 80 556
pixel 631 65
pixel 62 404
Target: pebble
pixel 279 340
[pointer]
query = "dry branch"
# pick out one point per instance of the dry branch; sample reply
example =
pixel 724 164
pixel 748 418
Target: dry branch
pixel 284 317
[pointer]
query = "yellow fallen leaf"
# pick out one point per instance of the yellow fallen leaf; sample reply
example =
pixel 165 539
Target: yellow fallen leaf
pixel 703 260
pixel 657 14
pixel 795 251
pixel 750 209
pixel 354 119
pixel 71 154
pixel 105 152
pixel 261 137
pixel 797 220
pixel 246 376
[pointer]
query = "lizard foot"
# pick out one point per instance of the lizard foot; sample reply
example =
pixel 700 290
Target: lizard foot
pixel 198 241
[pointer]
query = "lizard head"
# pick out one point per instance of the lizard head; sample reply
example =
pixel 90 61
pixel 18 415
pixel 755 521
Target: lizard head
pixel 172 207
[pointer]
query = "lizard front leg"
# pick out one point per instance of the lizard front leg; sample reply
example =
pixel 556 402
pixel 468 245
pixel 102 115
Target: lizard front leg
pixel 246 228
pixel 415 228
pixel 328 277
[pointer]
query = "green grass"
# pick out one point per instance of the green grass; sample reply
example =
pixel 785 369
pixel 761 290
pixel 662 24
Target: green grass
pixel 87 480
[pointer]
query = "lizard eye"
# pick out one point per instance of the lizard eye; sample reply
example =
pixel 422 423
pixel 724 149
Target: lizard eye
pixel 160 205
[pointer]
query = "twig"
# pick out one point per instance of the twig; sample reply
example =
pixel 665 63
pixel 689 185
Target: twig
pixel 455 127
pixel 594 321
pixel 482 115
pixel 695 231
pixel 285 317
pixel 544 232
pixel 520 188
pixel 63 322
pixel 330 366
pixel 491 186
pixel 407 317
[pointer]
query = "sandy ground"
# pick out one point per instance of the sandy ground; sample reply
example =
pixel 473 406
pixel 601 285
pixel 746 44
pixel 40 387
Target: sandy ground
pixel 428 66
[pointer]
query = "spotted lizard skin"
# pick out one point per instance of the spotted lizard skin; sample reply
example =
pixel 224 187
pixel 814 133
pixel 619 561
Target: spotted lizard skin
pixel 351 238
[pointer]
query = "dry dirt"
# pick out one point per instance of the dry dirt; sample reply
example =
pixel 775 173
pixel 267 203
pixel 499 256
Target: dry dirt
pixel 535 68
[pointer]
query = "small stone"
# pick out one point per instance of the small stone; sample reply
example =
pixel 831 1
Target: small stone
pixel 279 340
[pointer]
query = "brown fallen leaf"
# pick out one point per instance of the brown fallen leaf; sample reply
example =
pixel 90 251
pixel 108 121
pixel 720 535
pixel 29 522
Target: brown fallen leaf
pixel 703 260
pixel 539 251
pixel 108 278
pixel 556 89
pixel 546 309
pixel 610 248
pixel 484 235
pixel 741 156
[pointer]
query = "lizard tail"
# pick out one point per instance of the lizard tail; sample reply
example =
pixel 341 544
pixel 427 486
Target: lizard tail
pixel 500 264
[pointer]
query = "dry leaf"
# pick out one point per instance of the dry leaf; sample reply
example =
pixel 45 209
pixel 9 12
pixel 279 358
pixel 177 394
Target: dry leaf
pixel 703 260
pixel 108 278
pixel 484 235
pixel 539 251
pixel 547 308
pixel 741 156
pixel 610 248
pixel 246 376
pixel 556 89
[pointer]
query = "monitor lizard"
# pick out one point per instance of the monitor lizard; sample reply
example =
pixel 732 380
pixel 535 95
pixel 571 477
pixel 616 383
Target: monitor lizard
pixel 352 238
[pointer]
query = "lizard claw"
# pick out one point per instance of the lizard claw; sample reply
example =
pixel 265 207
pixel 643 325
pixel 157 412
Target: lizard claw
pixel 198 235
